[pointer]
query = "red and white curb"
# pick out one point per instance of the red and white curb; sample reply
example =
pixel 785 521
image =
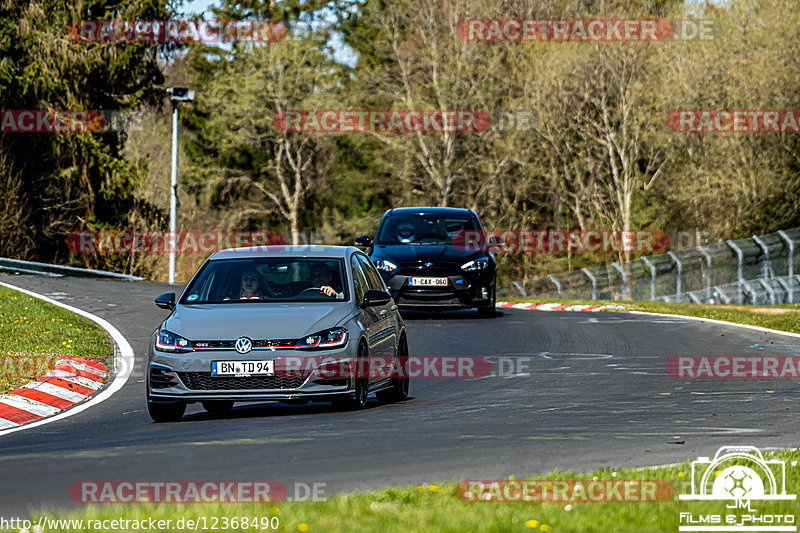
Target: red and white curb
pixel 556 306
pixel 71 380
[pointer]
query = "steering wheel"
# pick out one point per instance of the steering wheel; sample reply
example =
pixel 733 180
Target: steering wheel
pixel 315 289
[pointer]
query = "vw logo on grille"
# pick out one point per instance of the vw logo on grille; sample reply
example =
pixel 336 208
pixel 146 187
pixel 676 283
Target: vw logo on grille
pixel 243 345
pixel 428 265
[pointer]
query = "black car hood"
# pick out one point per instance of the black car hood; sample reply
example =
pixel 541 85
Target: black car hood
pixel 404 254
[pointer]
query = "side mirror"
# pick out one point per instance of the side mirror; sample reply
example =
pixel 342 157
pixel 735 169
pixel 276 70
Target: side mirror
pixel 374 297
pixel 363 241
pixel 166 301
pixel 495 241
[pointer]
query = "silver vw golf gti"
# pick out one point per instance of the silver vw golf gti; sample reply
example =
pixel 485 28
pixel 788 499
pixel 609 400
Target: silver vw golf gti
pixel 277 323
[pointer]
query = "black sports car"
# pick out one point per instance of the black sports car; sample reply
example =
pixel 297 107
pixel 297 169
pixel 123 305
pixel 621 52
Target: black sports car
pixel 434 257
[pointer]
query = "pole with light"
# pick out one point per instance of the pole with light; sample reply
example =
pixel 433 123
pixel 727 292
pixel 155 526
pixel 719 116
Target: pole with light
pixel 177 94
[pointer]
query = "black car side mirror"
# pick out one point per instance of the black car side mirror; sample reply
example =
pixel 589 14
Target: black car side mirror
pixel 374 297
pixel 363 241
pixel 166 301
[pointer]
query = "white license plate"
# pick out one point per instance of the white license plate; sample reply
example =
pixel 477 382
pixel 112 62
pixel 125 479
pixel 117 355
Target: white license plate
pixel 243 368
pixel 427 282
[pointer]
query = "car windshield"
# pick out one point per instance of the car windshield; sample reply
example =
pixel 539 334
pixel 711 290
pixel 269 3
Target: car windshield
pixel 425 229
pixel 274 279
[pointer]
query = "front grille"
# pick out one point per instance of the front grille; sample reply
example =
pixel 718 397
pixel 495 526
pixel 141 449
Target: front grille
pixel 205 381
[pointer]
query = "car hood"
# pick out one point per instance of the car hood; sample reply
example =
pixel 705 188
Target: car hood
pixel 417 253
pixel 255 320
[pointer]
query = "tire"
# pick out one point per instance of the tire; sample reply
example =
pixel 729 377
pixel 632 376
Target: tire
pixel 166 412
pixel 361 393
pixel 218 407
pixel 489 311
pixel 399 387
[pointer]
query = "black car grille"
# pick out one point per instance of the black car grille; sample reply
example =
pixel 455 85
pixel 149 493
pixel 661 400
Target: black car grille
pixel 435 270
pixel 205 381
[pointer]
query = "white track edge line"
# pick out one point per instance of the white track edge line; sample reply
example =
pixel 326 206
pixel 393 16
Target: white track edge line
pixel 722 322
pixel 123 359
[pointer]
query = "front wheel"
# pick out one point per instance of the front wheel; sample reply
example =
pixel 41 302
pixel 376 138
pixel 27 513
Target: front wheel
pixel 398 391
pixel 361 392
pixel 490 310
pixel 166 412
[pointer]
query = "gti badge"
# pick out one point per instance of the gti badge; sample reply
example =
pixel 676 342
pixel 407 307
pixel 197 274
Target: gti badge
pixel 243 345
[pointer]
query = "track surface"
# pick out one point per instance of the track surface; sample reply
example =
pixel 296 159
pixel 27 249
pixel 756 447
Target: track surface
pixel 596 396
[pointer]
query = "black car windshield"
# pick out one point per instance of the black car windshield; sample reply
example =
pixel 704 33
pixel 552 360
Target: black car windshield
pixel 274 279
pixel 425 229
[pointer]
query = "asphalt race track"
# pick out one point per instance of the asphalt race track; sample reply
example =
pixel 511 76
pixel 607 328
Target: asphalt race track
pixel 597 394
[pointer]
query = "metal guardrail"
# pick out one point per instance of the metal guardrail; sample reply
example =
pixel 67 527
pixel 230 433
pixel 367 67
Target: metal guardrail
pixel 758 270
pixel 57 271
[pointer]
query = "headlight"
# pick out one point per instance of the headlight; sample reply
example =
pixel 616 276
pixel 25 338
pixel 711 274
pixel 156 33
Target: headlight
pixel 383 264
pixel 481 263
pixel 330 338
pixel 169 342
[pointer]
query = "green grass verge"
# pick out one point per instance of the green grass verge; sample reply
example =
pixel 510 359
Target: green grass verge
pixel 782 317
pixel 435 508
pixel 33 333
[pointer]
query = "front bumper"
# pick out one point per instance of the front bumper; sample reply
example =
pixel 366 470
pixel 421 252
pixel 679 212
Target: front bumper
pixel 461 291
pixel 187 377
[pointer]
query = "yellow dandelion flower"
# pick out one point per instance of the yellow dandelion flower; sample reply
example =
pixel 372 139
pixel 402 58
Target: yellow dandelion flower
pixel 718 472
pixel 275 510
pixel 64 343
pixel 545 527
pixel 681 474
pixel 302 527
pixel 533 524
pixel 433 488
pixel 420 488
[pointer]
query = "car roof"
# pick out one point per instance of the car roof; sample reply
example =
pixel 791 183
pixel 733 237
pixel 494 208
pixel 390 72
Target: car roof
pixel 303 250
pixel 428 211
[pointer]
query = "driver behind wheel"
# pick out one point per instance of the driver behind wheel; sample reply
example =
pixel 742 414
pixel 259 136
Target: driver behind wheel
pixel 322 277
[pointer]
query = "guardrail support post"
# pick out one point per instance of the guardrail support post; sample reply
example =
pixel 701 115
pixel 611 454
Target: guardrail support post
pixel 652 277
pixel 767 266
pixel 708 270
pixel 790 243
pixel 624 280
pixel 680 271
pixel 740 257
pixel 556 283
pixel 593 280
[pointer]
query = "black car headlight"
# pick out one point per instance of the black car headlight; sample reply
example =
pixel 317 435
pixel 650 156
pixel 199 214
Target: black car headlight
pixel 169 342
pixel 330 338
pixel 383 264
pixel 482 263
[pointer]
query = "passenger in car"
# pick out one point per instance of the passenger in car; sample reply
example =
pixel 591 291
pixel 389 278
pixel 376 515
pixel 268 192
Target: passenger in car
pixel 252 287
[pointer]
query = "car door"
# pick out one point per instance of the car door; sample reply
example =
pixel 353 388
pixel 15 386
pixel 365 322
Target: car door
pixel 370 318
pixel 386 313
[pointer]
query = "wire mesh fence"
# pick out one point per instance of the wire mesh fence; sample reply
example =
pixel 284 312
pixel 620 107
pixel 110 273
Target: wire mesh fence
pixel 760 270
